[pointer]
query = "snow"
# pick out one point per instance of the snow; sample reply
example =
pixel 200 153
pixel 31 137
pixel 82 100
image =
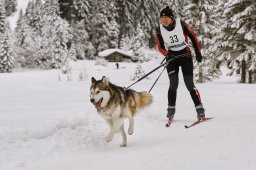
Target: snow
pixel 47 124
pixel 110 51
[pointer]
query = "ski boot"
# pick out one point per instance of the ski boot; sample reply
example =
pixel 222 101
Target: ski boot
pixel 170 112
pixel 200 112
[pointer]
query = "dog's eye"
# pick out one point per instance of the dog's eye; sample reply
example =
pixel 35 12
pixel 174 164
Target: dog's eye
pixel 97 92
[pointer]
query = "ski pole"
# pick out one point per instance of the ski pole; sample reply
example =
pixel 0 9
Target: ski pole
pixel 158 76
pixel 165 63
pixel 156 80
pixel 147 74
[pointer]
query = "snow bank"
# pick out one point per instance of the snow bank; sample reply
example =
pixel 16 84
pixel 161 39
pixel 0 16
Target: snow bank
pixel 21 146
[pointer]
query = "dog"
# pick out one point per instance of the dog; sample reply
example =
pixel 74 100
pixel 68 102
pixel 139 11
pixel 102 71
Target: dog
pixel 114 104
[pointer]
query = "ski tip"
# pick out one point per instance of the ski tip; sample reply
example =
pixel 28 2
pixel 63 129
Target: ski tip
pixel 168 123
pixel 197 122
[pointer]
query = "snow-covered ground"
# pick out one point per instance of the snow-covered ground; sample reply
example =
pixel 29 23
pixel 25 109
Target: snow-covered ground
pixel 50 125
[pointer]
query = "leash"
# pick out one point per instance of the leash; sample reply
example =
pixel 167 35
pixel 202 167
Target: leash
pixel 161 65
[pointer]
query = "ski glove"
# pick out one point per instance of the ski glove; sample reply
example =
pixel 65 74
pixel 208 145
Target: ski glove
pixel 199 57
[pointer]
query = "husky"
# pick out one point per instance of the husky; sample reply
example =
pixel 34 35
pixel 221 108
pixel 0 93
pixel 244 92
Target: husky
pixel 114 104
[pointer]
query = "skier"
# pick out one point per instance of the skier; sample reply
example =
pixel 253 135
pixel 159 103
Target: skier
pixel 172 38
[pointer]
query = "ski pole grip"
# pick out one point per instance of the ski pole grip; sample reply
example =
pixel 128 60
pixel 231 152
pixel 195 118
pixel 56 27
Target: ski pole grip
pixel 163 60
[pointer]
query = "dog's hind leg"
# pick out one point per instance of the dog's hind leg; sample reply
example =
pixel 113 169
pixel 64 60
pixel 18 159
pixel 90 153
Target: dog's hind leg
pixel 124 143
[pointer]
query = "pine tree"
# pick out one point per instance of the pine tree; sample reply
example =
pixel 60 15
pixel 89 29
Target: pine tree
pixel 125 18
pixel 27 41
pixel 31 21
pixel 82 9
pixel 214 51
pixel 240 38
pixel 139 72
pixel 209 71
pixel 147 15
pixel 29 12
pixel 101 24
pixel 99 38
pixel 2 18
pixel 22 32
pixel 19 20
pixel 198 16
pixel 53 50
pixel 84 48
pixel 112 26
pixel 138 44
pixel 192 12
pixel 6 54
pixel 67 10
pixel 113 31
pixel 10 7
pixel 37 13
pixel 176 5
pixel 72 52
pixel 126 43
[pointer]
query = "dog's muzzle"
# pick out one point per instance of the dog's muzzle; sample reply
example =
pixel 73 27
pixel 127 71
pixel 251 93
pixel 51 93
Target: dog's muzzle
pixel 98 103
pixel 92 100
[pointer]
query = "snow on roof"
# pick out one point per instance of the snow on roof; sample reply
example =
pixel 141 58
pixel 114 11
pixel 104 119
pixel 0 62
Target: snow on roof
pixel 111 51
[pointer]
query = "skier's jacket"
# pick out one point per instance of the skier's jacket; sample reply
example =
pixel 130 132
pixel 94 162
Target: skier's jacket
pixel 176 27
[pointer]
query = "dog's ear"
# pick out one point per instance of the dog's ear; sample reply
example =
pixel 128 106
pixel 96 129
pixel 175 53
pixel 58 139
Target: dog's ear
pixel 104 80
pixel 93 80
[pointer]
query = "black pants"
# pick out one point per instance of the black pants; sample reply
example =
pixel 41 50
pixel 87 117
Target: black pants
pixel 186 64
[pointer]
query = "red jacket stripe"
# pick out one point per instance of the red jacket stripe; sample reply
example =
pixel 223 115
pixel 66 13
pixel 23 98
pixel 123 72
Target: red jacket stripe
pixel 163 51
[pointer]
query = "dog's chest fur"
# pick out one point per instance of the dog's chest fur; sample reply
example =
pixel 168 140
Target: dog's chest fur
pixel 109 113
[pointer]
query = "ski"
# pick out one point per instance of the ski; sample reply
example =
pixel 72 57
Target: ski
pixel 197 122
pixel 168 122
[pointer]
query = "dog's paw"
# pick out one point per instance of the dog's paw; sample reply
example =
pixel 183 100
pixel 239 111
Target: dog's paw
pixel 130 131
pixel 124 144
pixel 109 138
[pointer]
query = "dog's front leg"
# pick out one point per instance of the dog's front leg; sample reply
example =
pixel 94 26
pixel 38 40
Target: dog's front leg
pixel 117 123
pixel 124 143
pixel 110 124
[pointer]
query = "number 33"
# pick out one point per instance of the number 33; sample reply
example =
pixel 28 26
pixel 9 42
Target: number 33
pixel 174 39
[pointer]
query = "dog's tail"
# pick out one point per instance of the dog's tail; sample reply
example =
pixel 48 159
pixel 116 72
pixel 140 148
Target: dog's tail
pixel 144 99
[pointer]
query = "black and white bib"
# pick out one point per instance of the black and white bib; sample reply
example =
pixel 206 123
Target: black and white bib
pixel 174 40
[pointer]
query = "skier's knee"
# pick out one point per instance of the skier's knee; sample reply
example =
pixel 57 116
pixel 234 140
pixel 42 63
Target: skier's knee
pixel 189 82
pixel 173 82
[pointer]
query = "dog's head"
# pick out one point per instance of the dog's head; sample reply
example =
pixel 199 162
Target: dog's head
pixel 100 92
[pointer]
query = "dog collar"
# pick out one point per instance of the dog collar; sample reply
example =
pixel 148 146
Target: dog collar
pixel 102 109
